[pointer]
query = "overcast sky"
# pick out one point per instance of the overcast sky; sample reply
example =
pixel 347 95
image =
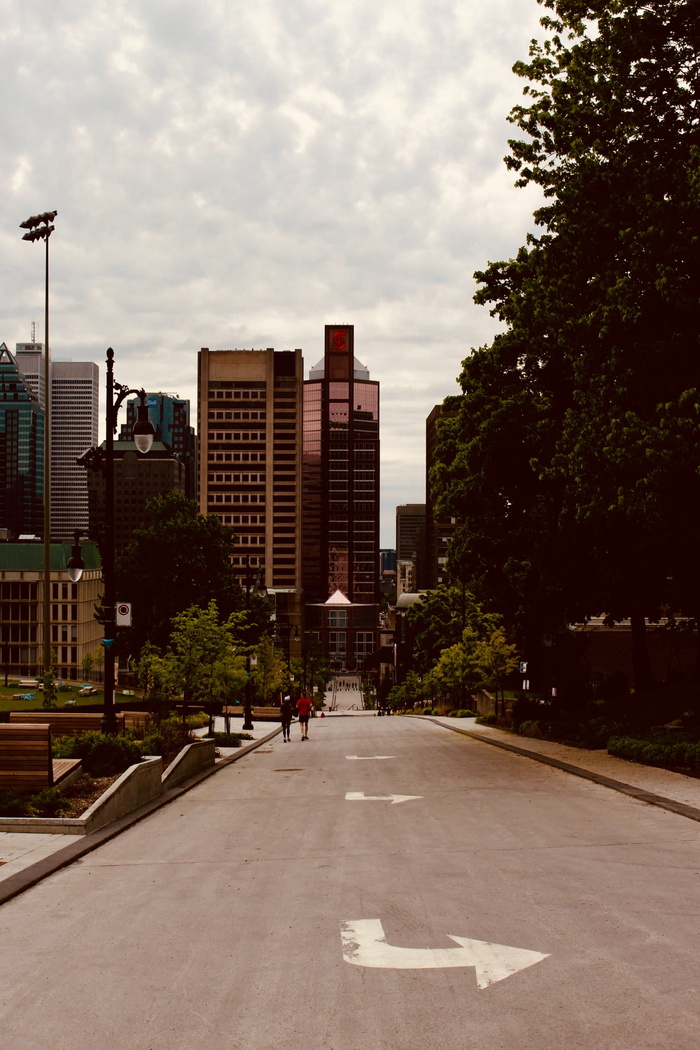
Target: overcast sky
pixel 238 175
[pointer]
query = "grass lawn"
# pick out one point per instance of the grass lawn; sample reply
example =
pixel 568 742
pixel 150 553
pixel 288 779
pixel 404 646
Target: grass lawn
pixel 9 702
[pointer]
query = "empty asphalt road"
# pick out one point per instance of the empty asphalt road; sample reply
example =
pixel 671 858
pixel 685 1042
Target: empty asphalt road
pixel 292 901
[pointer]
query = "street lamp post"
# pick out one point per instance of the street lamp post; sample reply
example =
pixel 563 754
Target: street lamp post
pixel 143 439
pixel 40 227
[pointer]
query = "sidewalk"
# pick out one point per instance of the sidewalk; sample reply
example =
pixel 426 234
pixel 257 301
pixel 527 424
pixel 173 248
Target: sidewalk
pixel 21 850
pixel 658 787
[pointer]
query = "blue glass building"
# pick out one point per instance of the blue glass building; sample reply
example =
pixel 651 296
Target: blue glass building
pixel 21 452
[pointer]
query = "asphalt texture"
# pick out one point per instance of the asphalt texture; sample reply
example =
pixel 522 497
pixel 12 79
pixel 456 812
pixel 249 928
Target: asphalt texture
pixel 218 919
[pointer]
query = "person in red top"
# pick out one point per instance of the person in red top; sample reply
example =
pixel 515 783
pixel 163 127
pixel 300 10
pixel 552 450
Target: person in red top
pixel 304 707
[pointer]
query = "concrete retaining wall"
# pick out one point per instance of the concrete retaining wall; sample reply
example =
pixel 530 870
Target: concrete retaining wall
pixel 193 757
pixel 136 786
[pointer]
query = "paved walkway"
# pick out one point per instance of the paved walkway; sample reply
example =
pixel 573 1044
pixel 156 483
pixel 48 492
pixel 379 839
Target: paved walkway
pixel 20 850
pixel 673 791
pixel 645 782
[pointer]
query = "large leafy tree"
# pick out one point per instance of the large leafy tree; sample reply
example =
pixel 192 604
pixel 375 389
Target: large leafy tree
pixel 574 461
pixel 181 559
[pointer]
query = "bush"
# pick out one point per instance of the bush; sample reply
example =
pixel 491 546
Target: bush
pixel 428 711
pixel 669 755
pixel 487 720
pixel 102 754
pixel 169 736
pixel 531 729
pixel 231 739
pixel 12 804
pixel 48 803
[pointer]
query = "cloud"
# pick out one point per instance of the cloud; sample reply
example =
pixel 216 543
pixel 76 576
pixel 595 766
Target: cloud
pixel 229 174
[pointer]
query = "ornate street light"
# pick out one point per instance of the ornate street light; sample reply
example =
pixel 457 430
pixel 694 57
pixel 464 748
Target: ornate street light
pixel 144 433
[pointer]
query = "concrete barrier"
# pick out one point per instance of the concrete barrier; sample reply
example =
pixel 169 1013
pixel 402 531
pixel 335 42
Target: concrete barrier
pixel 194 757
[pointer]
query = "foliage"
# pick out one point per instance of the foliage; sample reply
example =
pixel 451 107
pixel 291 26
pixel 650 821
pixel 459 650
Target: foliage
pixel 159 678
pixel 269 674
pixel 574 455
pixel 231 739
pixel 203 653
pixel 494 658
pixel 179 560
pixel 439 620
pixel 677 754
pixel 102 755
pixel 13 804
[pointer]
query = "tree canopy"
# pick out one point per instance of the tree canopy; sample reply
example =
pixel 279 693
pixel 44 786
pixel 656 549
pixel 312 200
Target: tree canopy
pixel 178 560
pixel 574 459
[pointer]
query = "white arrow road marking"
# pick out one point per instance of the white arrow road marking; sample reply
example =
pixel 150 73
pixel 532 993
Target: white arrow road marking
pixel 364 944
pixel 359 796
pixel 368 758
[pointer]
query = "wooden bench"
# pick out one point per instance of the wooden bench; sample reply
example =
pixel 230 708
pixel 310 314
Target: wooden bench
pixel 25 759
pixel 263 713
pixel 137 719
pixel 65 723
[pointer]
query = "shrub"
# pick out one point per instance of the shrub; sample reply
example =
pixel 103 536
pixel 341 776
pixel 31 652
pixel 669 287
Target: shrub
pixel 466 713
pixel 530 728
pixel 428 711
pixel 487 720
pixel 12 804
pixel 669 755
pixel 48 803
pixel 231 739
pixel 102 755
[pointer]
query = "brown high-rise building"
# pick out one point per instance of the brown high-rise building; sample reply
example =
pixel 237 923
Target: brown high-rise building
pixel 249 425
pixel 341 500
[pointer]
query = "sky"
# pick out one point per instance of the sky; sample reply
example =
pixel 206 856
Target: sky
pixel 237 175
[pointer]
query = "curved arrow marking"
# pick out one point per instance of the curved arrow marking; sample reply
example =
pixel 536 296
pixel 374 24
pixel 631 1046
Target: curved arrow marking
pixel 359 796
pixel 364 944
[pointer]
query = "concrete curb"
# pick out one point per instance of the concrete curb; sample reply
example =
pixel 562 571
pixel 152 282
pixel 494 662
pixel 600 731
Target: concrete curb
pixel 13 885
pixel 680 808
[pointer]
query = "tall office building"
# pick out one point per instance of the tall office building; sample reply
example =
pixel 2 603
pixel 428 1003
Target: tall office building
pixel 249 405
pixel 170 416
pixel 138 477
pixel 341 500
pixel 21 452
pixel 74 423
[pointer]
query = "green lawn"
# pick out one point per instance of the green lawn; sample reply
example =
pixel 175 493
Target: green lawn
pixel 8 701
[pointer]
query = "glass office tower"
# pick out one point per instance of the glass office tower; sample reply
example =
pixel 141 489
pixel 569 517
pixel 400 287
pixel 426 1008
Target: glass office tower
pixel 341 474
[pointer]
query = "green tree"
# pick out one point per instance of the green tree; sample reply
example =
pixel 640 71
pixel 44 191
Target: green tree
pixel 495 658
pixel 439 620
pixel 160 679
pixel 202 646
pixel 580 420
pixel 178 560
pixel 269 674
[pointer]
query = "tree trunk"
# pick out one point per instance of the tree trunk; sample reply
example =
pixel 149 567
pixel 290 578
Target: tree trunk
pixel 641 665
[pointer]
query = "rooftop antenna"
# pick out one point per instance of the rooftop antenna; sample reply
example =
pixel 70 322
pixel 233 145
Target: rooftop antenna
pixel 33 331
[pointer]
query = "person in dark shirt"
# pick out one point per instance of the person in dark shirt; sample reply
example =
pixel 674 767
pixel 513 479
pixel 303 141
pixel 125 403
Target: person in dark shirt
pixel 286 711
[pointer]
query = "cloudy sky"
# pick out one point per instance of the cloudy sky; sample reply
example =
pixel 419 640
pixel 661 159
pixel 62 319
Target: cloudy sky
pixel 229 174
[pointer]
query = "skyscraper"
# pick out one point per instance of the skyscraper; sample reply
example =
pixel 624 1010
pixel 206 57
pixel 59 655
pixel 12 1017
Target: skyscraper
pixel 249 425
pixel 74 422
pixel 170 416
pixel 341 496
pixel 21 452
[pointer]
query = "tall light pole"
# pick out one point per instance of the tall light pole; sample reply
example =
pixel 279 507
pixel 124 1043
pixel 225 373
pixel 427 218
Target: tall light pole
pixel 143 439
pixel 40 227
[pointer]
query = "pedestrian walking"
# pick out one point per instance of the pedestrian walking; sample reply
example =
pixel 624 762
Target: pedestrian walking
pixel 304 707
pixel 286 711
